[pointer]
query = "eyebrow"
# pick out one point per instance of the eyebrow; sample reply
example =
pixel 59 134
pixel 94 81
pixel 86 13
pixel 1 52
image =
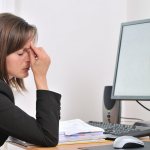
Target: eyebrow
pixel 26 48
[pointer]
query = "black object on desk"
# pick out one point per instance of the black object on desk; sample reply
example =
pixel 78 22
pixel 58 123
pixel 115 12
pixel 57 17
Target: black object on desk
pixel 112 130
pixel 142 123
pixel 110 147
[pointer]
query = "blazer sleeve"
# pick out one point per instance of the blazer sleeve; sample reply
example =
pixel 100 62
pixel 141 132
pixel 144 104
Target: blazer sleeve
pixel 42 131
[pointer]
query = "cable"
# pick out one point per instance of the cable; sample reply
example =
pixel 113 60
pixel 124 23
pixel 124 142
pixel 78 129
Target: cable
pixel 136 118
pixel 142 105
pixel 131 118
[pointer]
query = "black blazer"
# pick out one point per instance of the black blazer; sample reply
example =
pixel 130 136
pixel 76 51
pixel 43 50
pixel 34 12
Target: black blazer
pixel 42 131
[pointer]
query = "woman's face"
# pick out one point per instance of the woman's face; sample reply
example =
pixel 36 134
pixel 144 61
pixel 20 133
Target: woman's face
pixel 18 62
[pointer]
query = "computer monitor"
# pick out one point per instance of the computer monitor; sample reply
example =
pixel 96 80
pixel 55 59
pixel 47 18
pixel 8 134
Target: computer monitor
pixel 132 73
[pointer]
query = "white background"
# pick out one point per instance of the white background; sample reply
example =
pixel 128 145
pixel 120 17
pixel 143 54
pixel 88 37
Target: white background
pixel 81 36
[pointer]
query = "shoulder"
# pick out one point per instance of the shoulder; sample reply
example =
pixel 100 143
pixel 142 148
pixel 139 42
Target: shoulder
pixel 6 91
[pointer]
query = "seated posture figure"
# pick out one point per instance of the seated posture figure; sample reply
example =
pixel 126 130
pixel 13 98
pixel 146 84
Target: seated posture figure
pixel 18 54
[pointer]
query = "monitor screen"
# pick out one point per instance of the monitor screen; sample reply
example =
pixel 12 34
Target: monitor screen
pixel 132 73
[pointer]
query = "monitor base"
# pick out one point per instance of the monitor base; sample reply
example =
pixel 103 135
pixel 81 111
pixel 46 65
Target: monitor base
pixel 142 123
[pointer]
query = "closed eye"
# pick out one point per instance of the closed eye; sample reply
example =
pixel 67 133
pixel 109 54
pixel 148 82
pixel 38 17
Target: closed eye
pixel 20 53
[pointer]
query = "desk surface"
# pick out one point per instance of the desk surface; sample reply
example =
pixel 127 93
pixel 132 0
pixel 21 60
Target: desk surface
pixel 76 146
pixel 72 146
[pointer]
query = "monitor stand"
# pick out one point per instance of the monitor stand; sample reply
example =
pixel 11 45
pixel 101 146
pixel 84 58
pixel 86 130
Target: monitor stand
pixel 142 123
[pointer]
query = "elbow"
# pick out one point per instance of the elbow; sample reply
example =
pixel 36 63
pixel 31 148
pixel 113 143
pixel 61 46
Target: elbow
pixel 52 142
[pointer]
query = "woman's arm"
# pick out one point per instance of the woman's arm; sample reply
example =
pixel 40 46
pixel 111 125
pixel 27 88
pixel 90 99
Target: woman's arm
pixel 41 131
pixel 3 138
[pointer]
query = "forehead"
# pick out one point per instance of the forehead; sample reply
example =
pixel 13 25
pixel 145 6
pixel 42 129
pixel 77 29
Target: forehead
pixel 28 43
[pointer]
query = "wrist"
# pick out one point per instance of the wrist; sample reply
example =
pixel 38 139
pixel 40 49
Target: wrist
pixel 41 83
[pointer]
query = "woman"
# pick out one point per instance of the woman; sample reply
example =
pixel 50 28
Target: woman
pixel 17 55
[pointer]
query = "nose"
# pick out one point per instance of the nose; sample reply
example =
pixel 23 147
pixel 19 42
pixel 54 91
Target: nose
pixel 27 58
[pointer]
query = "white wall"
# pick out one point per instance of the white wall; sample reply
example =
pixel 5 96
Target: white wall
pixel 138 9
pixel 7 6
pixel 81 36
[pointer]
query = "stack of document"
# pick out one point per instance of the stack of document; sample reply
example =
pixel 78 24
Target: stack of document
pixel 76 130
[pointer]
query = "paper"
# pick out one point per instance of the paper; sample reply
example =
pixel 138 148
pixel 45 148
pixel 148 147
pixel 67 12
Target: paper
pixel 81 137
pixel 12 146
pixel 78 131
pixel 18 142
pixel 75 126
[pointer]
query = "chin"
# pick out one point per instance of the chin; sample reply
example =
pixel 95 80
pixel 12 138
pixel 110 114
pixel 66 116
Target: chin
pixel 23 76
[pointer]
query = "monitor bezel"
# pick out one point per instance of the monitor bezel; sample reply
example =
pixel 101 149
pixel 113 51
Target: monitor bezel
pixel 120 97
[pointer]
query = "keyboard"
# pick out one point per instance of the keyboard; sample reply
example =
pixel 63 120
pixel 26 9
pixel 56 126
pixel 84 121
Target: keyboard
pixel 112 130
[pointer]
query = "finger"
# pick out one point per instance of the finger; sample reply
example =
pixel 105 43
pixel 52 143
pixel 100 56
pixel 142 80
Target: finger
pixel 35 50
pixel 32 56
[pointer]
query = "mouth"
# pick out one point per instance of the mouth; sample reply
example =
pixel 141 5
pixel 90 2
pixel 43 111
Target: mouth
pixel 27 68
